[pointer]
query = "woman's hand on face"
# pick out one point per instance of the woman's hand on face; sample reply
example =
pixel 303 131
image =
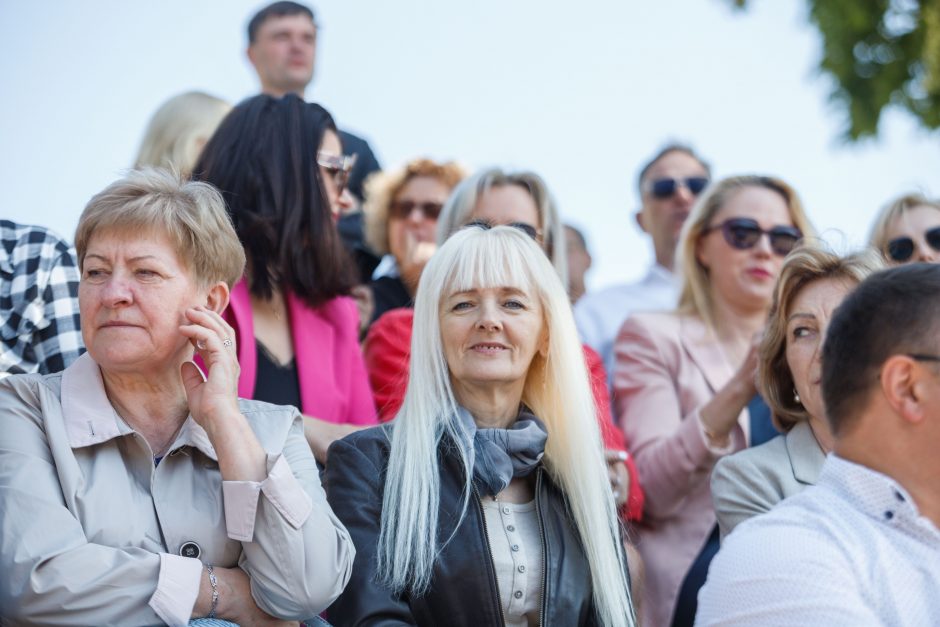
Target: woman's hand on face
pixel 217 396
pixel 619 475
pixel 417 254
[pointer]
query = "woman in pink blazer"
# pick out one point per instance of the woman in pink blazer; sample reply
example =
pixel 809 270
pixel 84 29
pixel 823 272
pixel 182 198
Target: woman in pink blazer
pixel 684 382
pixel 280 167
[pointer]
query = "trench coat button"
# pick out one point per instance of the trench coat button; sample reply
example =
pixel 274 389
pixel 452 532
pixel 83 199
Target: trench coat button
pixel 190 549
pixel 518 594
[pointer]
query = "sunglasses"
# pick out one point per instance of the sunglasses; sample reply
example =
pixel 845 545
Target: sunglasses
pixel 525 227
pixel 401 209
pixel 744 233
pixel 338 168
pixel 665 188
pixel 901 249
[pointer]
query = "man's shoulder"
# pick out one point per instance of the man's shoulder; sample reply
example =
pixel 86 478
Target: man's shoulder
pixel 23 242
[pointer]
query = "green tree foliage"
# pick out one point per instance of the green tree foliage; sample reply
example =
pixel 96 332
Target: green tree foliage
pixel 880 53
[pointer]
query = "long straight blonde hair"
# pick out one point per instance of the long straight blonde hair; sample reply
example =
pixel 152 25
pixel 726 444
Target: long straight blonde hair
pixel 557 390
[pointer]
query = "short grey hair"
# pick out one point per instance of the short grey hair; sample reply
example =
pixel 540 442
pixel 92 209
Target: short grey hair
pixel 190 214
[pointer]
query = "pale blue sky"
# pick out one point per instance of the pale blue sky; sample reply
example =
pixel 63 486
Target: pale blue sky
pixel 581 93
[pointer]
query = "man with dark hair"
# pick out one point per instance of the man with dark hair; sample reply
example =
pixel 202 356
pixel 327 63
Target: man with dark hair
pixel 282 40
pixel 861 547
pixel 668 185
pixel 39 325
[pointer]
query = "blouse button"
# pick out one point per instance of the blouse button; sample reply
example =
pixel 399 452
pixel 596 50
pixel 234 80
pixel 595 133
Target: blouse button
pixel 510 528
pixel 515 547
pixel 521 568
pixel 505 509
pixel 518 594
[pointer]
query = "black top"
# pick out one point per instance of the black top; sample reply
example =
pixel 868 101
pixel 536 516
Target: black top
pixel 389 293
pixel 464 590
pixel 274 382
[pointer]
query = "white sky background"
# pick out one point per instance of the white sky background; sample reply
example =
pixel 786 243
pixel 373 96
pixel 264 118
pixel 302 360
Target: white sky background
pixel 582 93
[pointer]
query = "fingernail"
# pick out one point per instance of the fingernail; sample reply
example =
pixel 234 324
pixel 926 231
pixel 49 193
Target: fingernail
pixel 624 456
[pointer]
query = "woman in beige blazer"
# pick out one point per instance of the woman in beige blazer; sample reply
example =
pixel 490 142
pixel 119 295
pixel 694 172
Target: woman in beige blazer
pixel 683 381
pixel 812 284
pixel 134 489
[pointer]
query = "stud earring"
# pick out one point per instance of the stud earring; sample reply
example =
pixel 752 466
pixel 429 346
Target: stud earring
pixel 796 397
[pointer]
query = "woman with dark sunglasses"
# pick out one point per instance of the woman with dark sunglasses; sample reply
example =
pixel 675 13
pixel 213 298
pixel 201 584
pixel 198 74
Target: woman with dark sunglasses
pixel 908 230
pixel 684 381
pixel 279 165
pixel 401 210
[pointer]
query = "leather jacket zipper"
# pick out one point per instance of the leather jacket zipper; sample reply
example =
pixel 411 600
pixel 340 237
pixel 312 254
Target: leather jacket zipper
pixel 489 552
pixel 538 511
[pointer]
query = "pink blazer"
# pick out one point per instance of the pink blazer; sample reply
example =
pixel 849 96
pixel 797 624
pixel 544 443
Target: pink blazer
pixel 667 367
pixel 332 376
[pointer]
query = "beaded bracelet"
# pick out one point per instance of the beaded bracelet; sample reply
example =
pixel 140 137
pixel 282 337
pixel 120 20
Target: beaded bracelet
pixel 214 582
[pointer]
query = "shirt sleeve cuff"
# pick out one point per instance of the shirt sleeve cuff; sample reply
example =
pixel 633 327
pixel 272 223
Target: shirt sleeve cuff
pixel 177 588
pixel 282 490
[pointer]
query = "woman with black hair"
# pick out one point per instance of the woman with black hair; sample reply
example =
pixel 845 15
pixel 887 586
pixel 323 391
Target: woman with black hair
pixel 280 168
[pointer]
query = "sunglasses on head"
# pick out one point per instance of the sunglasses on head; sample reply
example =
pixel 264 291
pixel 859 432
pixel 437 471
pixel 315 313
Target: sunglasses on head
pixel 901 249
pixel 338 168
pixel 402 209
pixel 525 227
pixel 666 187
pixel 744 233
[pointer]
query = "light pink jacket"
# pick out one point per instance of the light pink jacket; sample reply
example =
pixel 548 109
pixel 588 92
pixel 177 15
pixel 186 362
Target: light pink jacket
pixel 333 383
pixel 667 367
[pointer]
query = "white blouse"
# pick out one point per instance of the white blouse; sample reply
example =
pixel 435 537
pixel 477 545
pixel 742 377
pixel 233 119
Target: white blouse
pixel 516 549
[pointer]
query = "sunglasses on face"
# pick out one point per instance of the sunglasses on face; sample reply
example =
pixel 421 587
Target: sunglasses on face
pixel 525 227
pixel 402 209
pixel 744 233
pixel 665 188
pixel 338 168
pixel 901 249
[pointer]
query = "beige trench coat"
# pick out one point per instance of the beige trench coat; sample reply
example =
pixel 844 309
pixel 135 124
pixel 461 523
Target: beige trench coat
pixel 93 533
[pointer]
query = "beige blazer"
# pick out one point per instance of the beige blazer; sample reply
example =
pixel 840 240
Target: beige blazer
pixel 753 481
pixel 667 367
pixel 93 533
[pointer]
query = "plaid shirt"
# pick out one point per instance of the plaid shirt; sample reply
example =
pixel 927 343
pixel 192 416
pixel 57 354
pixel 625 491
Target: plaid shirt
pixel 39 325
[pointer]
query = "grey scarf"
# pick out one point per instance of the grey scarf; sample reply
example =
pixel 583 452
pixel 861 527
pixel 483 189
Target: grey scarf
pixel 498 455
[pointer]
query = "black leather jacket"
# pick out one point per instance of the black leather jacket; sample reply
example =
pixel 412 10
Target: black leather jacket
pixel 463 588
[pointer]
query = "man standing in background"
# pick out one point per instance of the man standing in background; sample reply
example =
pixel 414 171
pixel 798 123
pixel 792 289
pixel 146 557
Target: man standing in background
pixel 668 185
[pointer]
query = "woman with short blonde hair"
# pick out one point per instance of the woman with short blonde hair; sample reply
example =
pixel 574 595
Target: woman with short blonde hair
pixel 813 282
pixel 179 130
pixel 136 488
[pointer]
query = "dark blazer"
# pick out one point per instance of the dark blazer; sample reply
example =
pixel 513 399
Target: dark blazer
pixel 463 590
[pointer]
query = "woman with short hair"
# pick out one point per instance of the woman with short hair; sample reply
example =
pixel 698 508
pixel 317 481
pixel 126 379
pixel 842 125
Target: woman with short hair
pixel 684 381
pixel 134 489
pixel 401 210
pixel 179 130
pixel 485 501
pixel 813 282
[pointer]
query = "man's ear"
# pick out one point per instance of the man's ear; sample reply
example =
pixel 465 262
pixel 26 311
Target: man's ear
pixel 904 382
pixel 217 297
pixel 638 216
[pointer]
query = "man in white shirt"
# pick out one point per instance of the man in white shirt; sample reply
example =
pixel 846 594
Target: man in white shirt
pixel 862 547
pixel 668 185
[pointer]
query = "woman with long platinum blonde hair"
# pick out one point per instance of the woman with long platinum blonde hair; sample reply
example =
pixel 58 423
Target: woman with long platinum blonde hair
pixel 486 501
